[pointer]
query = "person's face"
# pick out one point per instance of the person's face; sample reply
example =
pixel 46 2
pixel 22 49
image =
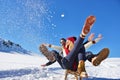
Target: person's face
pixel 62 42
pixel 69 45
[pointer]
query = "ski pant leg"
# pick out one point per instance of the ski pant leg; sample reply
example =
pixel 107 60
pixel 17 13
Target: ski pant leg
pixel 81 56
pixel 69 59
pixel 58 58
pixel 89 55
pixel 77 48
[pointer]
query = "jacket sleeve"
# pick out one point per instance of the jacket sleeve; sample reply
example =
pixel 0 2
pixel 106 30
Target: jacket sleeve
pixel 56 47
pixel 53 46
pixel 90 43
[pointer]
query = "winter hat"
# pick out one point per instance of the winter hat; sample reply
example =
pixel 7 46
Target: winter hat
pixel 72 39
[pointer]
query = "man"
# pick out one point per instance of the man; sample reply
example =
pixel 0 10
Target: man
pixel 59 48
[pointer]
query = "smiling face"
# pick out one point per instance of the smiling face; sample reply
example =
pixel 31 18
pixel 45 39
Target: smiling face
pixel 62 42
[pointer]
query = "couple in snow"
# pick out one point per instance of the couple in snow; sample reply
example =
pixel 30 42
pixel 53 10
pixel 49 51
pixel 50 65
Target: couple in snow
pixel 72 52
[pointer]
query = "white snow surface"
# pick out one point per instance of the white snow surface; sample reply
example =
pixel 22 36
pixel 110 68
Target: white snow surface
pixel 27 67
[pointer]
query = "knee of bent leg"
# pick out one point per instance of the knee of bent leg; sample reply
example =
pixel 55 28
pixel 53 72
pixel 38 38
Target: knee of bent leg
pixel 89 54
pixel 81 56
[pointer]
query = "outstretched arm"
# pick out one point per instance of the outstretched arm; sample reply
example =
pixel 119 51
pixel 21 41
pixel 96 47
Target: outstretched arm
pixel 53 46
pixel 90 43
pixel 90 38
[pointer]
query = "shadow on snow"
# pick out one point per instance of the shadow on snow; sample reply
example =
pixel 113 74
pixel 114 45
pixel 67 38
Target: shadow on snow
pixel 20 72
pixel 97 78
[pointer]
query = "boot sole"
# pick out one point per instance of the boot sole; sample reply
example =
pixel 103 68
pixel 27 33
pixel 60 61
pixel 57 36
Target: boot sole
pixel 88 24
pixel 103 54
pixel 47 53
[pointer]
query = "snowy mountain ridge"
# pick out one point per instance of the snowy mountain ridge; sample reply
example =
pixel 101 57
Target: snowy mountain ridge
pixel 9 46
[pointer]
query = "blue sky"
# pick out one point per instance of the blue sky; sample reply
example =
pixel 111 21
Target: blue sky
pixel 32 22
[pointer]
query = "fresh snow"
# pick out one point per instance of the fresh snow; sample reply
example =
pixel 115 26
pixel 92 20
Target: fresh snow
pixel 26 67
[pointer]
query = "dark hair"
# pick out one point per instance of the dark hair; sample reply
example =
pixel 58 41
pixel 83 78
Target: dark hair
pixel 63 39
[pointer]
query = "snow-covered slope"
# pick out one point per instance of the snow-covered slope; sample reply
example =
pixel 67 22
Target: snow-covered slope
pixel 27 67
pixel 8 46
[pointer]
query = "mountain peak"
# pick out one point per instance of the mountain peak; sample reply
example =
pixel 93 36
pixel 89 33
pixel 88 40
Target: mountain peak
pixel 9 46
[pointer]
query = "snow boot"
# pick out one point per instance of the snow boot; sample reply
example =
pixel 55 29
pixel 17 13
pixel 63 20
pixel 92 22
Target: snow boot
pixel 103 54
pixel 48 54
pixel 81 69
pixel 87 25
